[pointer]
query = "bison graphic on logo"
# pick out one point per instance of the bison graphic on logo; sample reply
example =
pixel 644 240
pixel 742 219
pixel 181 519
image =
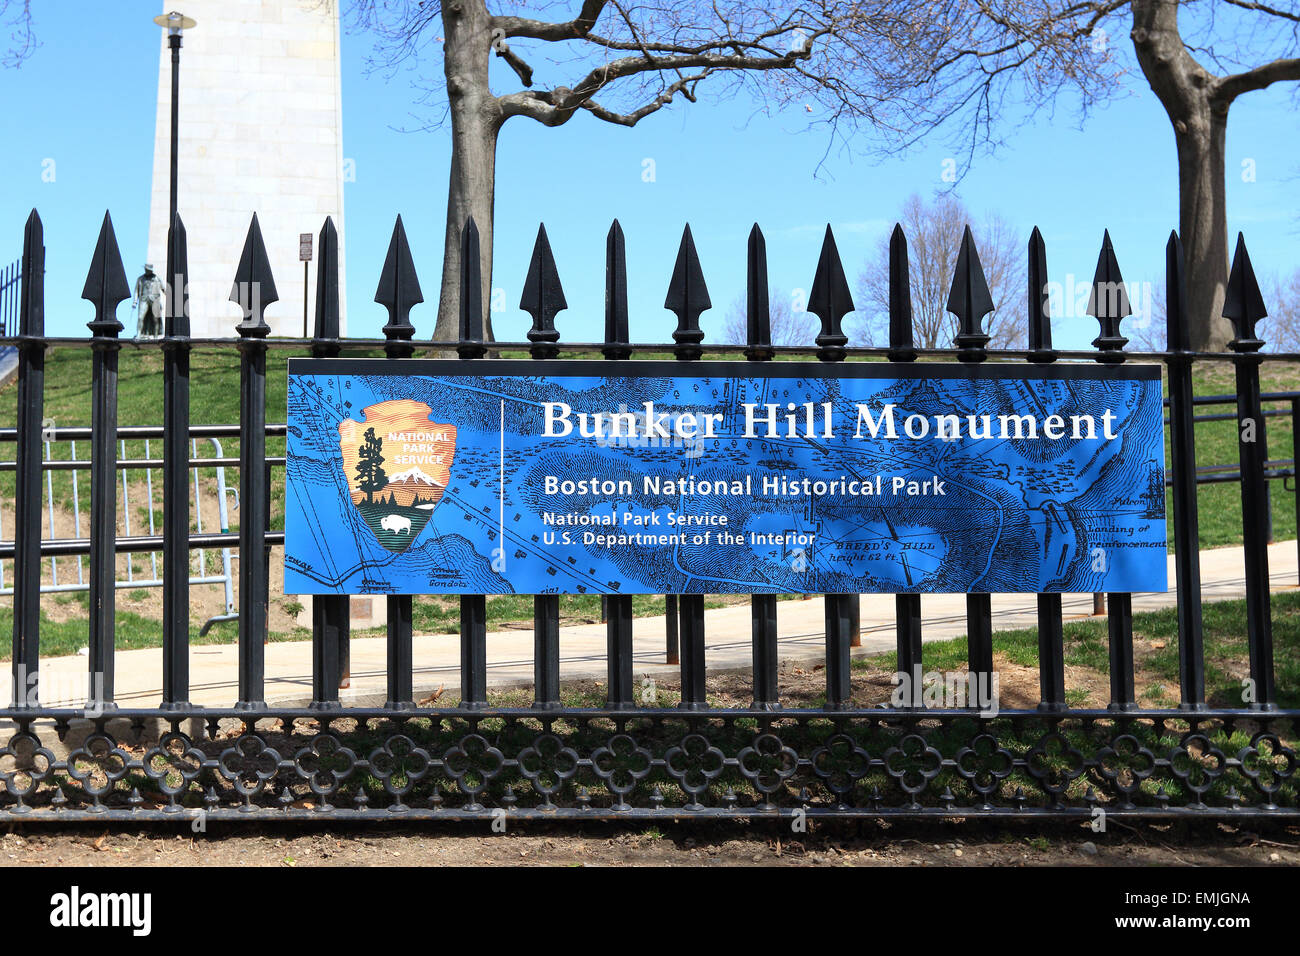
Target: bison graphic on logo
pixel 397 462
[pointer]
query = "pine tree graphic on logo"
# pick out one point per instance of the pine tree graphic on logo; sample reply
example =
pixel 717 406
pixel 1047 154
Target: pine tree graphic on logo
pixel 398 463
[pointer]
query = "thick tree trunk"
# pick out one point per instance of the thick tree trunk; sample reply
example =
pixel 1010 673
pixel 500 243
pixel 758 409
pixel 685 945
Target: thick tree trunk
pixel 1203 225
pixel 475 122
pixel 1186 90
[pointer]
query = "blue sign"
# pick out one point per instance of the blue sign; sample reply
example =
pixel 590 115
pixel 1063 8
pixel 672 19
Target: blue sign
pixel 499 477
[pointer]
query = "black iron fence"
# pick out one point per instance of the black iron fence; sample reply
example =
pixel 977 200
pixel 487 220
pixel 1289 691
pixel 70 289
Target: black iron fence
pixel 627 758
pixel 10 281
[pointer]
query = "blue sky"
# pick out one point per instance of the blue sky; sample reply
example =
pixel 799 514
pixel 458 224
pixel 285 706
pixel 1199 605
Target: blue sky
pixel 86 100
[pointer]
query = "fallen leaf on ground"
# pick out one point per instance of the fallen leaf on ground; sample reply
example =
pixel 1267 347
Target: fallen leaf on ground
pixel 433 697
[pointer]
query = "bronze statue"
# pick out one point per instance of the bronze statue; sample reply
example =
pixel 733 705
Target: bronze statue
pixel 149 302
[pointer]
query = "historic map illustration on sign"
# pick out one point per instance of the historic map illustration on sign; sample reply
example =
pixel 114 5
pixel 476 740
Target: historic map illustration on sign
pixel 658 477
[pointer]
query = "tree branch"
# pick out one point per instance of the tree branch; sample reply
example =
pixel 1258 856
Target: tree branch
pixel 1228 88
pixel 22 40
pixel 575 29
pixel 685 86
pixel 558 106
pixel 516 62
pixel 1265 8
pixel 607 73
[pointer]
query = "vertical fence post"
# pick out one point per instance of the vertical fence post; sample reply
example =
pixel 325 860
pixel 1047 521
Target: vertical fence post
pixel 1268 486
pixel 616 331
pixel 176 474
pixel 1295 468
pixel 758 329
pixel 688 296
pixel 970 300
pixel 830 301
pixel 543 299
pixel 331 613
pixel 672 648
pixel 254 290
pixel 399 292
pixel 1109 305
pixel 106 286
pixel 27 490
pixel 618 650
pixel 1051 636
pixel 907 607
pixel 473 607
pixel 1182 445
pixel 616 609
pixel 1244 306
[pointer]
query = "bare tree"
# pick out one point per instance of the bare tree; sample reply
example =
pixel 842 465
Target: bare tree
pixel 895 69
pixel 1196 98
pixel 1147 329
pixel 1197 69
pixel 934 233
pixel 16 21
pixel 788 327
pixel 1281 330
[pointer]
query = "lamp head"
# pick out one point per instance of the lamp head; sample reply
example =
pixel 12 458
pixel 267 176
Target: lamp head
pixel 174 22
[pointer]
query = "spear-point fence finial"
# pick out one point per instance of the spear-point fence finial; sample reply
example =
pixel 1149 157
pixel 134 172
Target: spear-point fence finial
pixel 1243 304
pixel 327 283
pixel 758 310
pixel 1040 311
pixel 969 300
pixel 1108 302
pixel 254 287
pixel 688 297
pixel 830 300
pixel 901 348
pixel 399 287
pixel 31 302
pixel 106 284
pixel 1178 333
pixel 616 329
pixel 471 294
pixel 543 297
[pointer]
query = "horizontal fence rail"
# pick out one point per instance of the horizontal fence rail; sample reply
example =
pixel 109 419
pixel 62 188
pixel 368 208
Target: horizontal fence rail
pixel 152 578
pixel 632 757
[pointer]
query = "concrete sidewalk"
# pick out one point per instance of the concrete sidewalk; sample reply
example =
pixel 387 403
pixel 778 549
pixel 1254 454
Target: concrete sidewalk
pixel 213 668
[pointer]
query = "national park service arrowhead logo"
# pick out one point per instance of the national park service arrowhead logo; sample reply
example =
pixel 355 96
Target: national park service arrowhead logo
pixel 397 463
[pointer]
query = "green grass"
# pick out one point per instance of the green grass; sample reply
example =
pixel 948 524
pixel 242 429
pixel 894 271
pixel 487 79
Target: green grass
pixel 62 638
pixel 1156 637
pixel 131 632
pixel 1219 506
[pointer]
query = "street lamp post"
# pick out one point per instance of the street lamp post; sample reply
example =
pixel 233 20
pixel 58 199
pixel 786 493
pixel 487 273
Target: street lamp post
pixel 174 23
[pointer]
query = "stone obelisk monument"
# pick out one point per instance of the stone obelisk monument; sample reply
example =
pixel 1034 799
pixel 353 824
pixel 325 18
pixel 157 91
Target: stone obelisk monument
pixel 260 131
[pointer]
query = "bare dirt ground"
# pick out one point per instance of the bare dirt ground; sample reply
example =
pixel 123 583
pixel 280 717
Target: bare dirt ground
pixel 870 844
